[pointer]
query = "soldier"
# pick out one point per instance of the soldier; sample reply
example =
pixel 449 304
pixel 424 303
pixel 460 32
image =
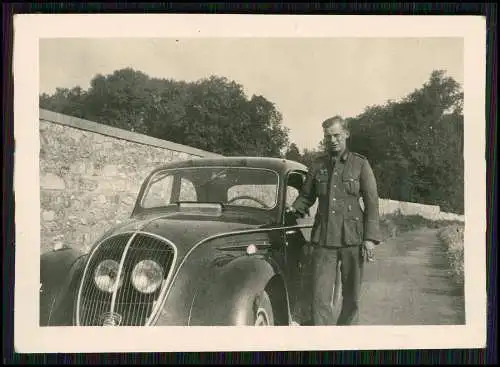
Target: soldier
pixel 342 232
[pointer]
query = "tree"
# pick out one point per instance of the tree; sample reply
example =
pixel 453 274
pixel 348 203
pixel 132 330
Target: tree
pixel 293 153
pixel 122 99
pixel 416 144
pixel 68 101
pixel 213 114
pixel 309 155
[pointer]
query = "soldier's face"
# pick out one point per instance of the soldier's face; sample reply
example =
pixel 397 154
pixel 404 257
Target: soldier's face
pixel 335 138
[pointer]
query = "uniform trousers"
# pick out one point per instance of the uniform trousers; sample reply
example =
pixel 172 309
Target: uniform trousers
pixel 325 261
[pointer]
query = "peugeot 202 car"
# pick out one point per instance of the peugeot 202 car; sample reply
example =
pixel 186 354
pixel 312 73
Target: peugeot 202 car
pixel 209 242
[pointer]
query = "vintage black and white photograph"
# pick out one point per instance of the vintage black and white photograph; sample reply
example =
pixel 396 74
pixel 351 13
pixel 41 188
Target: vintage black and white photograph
pixel 323 179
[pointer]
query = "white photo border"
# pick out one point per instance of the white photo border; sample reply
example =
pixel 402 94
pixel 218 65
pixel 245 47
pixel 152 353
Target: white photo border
pixel 30 338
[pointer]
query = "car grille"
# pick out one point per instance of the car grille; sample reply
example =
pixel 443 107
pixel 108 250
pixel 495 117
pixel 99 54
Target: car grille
pixel 130 307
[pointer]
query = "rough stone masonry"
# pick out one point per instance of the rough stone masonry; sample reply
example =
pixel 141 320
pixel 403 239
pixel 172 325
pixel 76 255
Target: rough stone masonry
pixel 89 181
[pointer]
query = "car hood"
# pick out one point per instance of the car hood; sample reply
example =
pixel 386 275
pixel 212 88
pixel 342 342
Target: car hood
pixel 182 232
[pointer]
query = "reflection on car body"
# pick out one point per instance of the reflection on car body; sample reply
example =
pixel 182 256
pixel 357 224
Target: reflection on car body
pixel 208 242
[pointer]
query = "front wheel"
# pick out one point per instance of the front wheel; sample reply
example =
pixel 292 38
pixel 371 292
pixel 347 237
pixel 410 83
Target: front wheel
pixel 263 310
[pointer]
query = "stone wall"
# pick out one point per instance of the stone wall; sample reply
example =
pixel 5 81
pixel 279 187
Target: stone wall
pixel 90 175
pixel 388 206
pixel 433 212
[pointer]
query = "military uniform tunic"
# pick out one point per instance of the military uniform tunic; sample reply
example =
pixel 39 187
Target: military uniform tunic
pixel 340 227
pixel 340 220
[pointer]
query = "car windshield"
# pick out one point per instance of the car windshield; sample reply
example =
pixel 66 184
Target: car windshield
pixel 229 186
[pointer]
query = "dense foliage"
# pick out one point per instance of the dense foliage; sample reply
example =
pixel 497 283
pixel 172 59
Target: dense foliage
pixel 211 114
pixel 415 144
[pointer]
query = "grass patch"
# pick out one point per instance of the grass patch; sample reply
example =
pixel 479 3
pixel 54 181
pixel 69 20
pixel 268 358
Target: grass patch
pixel 451 234
pixel 452 237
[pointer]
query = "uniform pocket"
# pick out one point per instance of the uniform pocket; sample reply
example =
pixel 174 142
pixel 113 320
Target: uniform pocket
pixel 321 184
pixel 351 186
pixel 353 231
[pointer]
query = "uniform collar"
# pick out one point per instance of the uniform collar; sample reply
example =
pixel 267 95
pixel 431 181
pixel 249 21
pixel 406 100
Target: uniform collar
pixel 343 156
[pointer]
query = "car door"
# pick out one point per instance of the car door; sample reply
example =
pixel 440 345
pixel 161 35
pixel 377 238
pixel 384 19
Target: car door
pixel 296 240
pixel 300 236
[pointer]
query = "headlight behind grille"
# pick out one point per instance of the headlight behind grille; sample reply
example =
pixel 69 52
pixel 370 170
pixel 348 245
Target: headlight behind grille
pixel 147 276
pixel 106 276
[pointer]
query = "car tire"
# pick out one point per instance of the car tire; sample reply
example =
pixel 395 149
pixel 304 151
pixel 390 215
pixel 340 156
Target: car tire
pixel 263 310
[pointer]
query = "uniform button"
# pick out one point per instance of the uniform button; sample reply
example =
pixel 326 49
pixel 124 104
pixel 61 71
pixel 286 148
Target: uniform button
pixel 333 211
pixel 334 199
pixel 334 185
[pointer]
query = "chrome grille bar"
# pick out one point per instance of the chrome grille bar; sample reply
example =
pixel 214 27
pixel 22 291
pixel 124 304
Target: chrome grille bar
pixel 91 301
pixel 169 263
pixel 137 307
pixel 120 269
pixel 125 303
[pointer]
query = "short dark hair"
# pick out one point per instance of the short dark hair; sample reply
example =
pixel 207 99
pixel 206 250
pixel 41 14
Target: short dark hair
pixel 337 119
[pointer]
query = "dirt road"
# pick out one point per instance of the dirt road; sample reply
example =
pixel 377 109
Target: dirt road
pixel 408 284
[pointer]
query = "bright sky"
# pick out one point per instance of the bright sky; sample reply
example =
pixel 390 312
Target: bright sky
pixel 308 79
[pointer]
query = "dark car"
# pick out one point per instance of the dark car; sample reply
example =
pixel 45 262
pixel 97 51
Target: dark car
pixel 209 242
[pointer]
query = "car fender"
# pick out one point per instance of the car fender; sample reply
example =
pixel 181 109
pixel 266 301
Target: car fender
pixel 59 271
pixel 226 297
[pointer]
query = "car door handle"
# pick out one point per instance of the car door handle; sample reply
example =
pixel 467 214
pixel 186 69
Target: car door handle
pixel 291 231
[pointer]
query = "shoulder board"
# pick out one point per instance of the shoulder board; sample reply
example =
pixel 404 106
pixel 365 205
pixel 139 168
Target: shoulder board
pixel 360 156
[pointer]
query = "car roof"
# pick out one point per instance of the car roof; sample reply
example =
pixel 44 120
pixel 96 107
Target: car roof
pixel 278 164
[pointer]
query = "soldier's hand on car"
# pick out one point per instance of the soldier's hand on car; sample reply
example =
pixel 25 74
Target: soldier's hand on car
pixel 294 212
pixel 368 251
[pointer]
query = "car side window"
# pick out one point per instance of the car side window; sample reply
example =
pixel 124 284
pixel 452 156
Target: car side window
pixel 187 191
pixel 159 193
pixel 291 195
pixel 294 184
